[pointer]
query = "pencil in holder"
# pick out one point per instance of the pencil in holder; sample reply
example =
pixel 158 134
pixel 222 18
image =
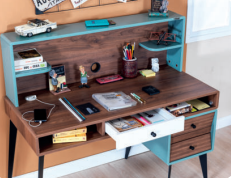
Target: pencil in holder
pixel 129 68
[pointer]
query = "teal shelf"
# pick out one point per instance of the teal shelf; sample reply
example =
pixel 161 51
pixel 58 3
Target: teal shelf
pixel 33 72
pixel 152 46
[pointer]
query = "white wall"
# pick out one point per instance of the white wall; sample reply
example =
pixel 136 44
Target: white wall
pixel 210 62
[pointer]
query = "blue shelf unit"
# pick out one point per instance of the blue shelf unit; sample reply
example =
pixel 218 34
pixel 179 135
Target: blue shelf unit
pixel 176 24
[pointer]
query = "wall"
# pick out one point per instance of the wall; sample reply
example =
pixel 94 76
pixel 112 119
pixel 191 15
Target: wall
pixel 211 59
pixel 13 13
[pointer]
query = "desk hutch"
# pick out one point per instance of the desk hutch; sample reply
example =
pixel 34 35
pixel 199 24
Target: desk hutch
pixel 74 45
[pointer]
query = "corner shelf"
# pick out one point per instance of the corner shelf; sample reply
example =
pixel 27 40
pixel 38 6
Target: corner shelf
pixel 33 72
pixel 152 46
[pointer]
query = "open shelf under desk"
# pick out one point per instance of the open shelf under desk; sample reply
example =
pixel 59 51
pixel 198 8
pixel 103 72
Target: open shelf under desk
pixel 46 146
pixel 174 87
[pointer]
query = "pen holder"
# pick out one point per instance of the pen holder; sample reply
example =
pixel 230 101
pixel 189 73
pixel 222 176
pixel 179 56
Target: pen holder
pixel 129 68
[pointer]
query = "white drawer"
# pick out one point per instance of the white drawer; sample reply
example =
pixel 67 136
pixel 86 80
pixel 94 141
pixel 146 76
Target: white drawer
pixel 170 125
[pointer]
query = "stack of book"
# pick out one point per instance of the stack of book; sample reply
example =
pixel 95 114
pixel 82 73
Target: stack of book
pixel 28 60
pixel 76 135
pixel 179 109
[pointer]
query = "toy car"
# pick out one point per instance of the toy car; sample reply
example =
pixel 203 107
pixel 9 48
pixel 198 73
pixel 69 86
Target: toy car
pixel 35 26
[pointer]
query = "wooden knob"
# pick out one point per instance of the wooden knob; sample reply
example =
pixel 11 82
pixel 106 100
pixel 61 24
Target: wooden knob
pixel 192 147
pixel 193 126
pixel 153 134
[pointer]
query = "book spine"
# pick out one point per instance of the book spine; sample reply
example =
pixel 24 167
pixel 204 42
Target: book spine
pixel 69 139
pixel 22 62
pixel 31 66
pixel 72 135
pixel 157 14
pixel 69 133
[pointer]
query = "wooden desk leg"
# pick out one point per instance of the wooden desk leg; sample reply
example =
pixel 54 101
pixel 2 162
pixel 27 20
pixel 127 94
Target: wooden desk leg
pixel 203 161
pixel 127 152
pixel 40 168
pixel 169 171
pixel 12 142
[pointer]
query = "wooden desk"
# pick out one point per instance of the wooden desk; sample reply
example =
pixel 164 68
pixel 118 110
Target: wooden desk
pixel 74 45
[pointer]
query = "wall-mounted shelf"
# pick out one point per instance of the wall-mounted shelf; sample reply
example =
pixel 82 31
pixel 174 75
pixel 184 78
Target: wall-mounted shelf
pixel 152 46
pixel 33 72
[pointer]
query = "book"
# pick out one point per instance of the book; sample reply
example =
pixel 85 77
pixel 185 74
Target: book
pixel 157 14
pixel 114 100
pixel 71 132
pixel 199 105
pixel 70 139
pixel 177 106
pixel 26 57
pixel 125 123
pixel 74 135
pixel 148 73
pixel 141 119
pixel 31 66
pixel 153 116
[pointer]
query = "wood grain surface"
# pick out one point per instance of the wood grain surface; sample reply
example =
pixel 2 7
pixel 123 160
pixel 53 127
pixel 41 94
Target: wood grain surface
pixel 174 87
pixel 103 47
pixel 181 149
pixel 203 125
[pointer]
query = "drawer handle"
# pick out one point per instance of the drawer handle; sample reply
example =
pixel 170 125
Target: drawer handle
pixel 192 147
pixel 153 134
pixel 193 126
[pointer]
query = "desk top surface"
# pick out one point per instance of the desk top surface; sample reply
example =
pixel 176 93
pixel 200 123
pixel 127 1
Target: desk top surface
pixel 174 87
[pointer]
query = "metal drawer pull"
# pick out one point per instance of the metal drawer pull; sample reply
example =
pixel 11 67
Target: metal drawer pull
pixel 192 147
pixel 153 134
pixel 193 126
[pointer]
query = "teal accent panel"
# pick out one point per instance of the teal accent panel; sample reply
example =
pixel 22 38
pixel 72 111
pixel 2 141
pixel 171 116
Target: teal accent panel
pixel 152 46
pixel 9 73
pixel 33 72
pixel 175 56
pixel 160 147
pixel 213 130
pixel 175 59
pixel 76 29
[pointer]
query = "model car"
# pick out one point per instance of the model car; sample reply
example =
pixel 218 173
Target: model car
pixel 35 26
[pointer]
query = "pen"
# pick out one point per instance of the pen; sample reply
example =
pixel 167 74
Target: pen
pixel 139 98
pixel 136 98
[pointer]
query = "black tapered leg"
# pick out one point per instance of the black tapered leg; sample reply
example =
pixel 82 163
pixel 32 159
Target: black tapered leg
pixel 12 142
pixel 203 161
pixel 40 168
pixel 127 152
pixel 169 171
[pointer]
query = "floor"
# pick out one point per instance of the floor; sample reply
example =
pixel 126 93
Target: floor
pixel 147 165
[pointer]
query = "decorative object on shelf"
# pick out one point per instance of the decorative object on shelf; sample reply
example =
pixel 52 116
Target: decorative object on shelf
pixel 155 65
pixel 77 3
pixel 57 80
pixel 162 37
pixel 159 8
pixel 34 27
pixel 44 5
pixel 83 77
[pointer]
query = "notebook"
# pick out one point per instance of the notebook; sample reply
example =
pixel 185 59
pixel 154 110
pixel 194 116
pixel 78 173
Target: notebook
pixel 114 100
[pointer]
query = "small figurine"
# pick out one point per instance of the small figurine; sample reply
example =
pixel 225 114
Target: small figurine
pixel 164 8
pixel 155 65
pixel 83 75
pixel 34 27
pixel 54 80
